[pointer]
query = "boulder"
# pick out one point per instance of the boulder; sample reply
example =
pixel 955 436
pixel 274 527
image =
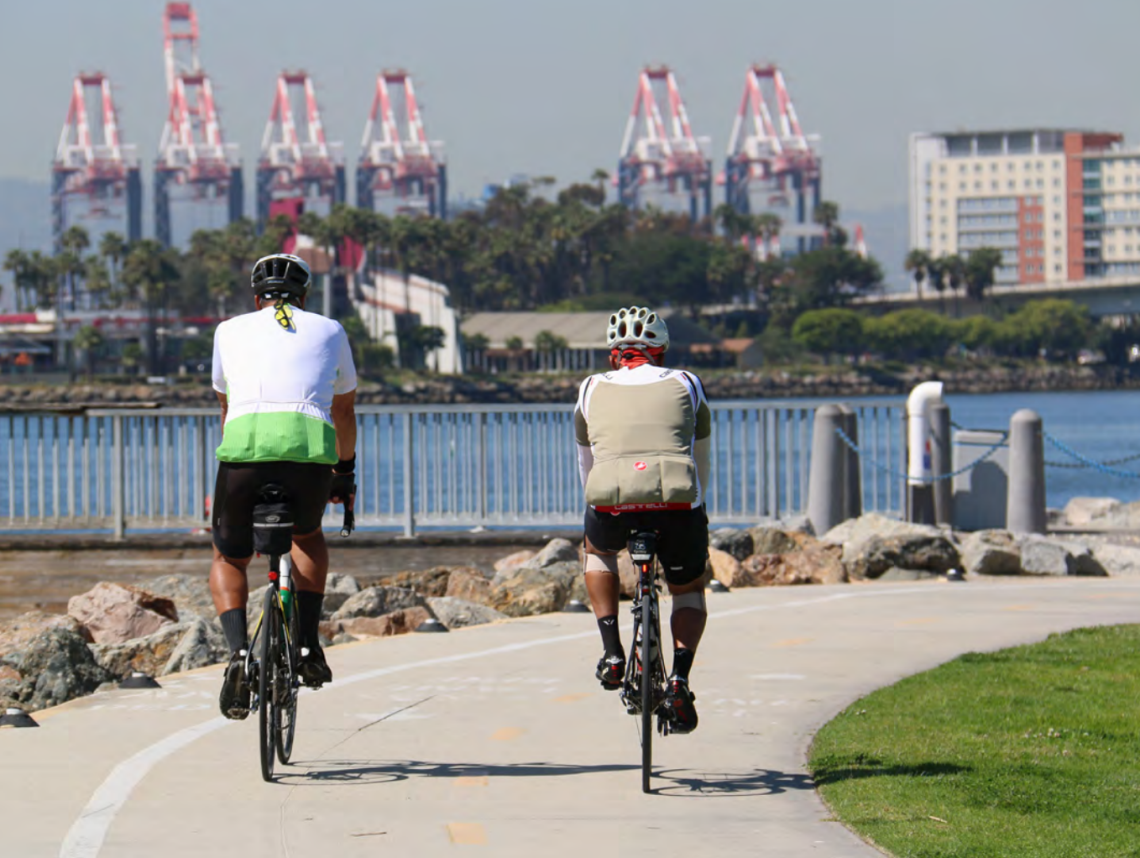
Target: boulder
pixel 202 644
pixel 873 543
pixel 818 565
pixel 377 601
pixel 395 623
pixel 147 655
pixel 534 590
pixel 17 633
pixel 338 590
pixel 426 582
pixel 1083 511
pixel 190 593
pixel 772 540
pixel 1041 555
pixel 729 540
pixel 457 613
pixel 469 584
pixel 116 613
pixel 1126 516
pixel 789 524
pixel 54 666
pixel 872 525
pixel 1119 561
pixel 727 569
pixel 555 551
pixel 991 552
pixel 514 561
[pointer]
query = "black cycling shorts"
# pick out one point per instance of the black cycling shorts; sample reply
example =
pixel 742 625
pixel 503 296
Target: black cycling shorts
pixel 236 493
pixel 682 538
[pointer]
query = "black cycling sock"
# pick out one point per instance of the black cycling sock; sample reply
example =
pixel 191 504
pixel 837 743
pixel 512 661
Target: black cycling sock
pixel 309 604
pixel 682 663
pixel 611 635
pixel 233 624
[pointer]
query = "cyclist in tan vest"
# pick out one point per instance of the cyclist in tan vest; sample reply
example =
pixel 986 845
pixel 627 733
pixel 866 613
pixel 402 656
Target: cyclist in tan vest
pixel 643 436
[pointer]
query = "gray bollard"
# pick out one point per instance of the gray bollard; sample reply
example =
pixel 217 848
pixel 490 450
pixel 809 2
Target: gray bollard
pixel 852 479
pixel 825 482
pixel 1025 503
pixel 940 462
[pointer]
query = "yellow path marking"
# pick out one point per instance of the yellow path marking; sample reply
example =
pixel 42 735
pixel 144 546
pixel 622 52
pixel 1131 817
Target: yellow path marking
pixel 467 833
pixel 507 733
pixel 571 698
pixel 471 780
pixel 918 621
pixel 792 642
pixel 1019 607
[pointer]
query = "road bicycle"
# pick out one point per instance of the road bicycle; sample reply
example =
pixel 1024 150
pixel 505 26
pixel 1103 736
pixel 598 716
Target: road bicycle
pixel 643 688
pixel 273 674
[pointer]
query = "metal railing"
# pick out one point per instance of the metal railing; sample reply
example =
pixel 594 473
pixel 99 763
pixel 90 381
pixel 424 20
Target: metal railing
pixel 453 466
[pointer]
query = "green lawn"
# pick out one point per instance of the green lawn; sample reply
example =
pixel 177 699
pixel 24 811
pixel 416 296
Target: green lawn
pixel 1031 751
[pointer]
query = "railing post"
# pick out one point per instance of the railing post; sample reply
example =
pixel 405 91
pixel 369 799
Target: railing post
pixel 409 476
pixel 852 478
pixel 481 465
pixel 825 506
pixel 118 478
pixel 1025 503
pixel 940 463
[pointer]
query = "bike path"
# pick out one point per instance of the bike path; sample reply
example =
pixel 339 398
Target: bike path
pixel 497 740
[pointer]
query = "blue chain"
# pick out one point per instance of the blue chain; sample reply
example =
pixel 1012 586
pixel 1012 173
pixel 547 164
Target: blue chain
pixel 1089 463
pixel 925 480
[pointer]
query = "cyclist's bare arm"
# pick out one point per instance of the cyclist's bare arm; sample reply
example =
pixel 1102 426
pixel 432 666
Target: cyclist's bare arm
pixel 344 422
pixel 225 406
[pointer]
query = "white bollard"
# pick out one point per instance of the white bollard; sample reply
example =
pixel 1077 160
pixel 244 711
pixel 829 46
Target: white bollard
pixel 920 494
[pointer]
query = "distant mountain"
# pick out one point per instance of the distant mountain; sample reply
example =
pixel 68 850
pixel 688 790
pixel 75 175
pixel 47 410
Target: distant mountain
pixel 887 235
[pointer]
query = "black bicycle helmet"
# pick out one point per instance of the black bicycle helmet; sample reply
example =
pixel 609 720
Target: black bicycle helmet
pixel 281 275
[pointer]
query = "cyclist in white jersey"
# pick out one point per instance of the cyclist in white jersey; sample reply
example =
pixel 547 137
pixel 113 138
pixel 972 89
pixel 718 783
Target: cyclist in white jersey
pixel 287 386
pixel 643 437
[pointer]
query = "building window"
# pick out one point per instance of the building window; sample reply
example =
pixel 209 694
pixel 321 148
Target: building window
pixel 993 186
pixel 961 186
pixel 1056 183
pixel 961 168
pixel 1013 184
pixel 1056 269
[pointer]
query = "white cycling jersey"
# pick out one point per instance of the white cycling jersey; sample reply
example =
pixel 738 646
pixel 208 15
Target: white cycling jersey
pixel 280 368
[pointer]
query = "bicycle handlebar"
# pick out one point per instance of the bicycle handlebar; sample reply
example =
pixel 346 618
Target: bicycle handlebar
pixel 349 521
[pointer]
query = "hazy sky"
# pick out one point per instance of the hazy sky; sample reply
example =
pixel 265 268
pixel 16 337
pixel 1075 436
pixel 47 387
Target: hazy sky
pixel 539 87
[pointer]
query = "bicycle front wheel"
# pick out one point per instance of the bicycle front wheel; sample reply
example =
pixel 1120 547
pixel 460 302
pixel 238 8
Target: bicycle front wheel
pixel 289 687
pixel 267 715
pixel 647 685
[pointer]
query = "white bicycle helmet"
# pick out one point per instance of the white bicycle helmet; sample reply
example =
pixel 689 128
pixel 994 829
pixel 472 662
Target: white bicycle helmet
pixel 281 275
pixel 638 327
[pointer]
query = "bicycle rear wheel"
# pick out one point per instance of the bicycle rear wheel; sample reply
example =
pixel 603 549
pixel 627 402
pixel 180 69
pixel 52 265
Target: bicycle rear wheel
pixel 647 684
pixel 267 715
pixel 288 688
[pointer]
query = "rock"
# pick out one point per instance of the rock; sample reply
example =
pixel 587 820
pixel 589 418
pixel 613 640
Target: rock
pixel 54 666
pixel 991 552
pixel 458 613
pixel 817 565
pixel 17 634
pixel 1126 516
pixel 115 613
pixel 338 590
pixel 1119 561
pixel 873 525
pixel 1083 511
pixel 873 543
pixel 513 561
pixel 395 623
pixel 1042 555
pixel 556 551
pixel 377 601
pixel 790 524
pixel 343 638
pixel 468 584
pixel 533 590
pixel 426 582
pixel 727 569
pixel 147 655
pixel 772 540
pixel 738 543
pixel 202 644
pixel 189 592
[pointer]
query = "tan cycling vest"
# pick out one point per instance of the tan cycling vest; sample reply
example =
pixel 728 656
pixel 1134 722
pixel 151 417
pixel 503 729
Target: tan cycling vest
pixel 641 425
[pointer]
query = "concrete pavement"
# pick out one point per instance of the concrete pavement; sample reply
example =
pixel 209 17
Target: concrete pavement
pixel 497 740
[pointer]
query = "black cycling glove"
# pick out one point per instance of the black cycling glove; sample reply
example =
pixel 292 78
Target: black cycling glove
pixel 343 481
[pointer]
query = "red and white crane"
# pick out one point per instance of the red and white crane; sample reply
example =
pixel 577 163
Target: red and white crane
pixel 659 151
pixel 771 157
pixel 297 161
pixel 92 165
pixel 192 152
pixel 397 159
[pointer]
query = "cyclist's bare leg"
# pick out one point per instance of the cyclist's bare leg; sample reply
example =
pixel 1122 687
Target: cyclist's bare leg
pixel 687 624
pixel 228 583
pixel 310 561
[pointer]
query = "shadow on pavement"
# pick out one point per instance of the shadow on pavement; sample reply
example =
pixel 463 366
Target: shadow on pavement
pixel 754 782
pixel 329 772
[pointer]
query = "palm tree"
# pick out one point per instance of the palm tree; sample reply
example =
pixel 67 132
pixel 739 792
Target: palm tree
pixel 936 276
pixel 918 263
pixel 149 269
pixel 113 247
pixel 98 279
pixel 826 214
pixel 19 263
pixel 73 244
pixel 767 226
pixel 955 268
pixel 980 271
pixel 89 341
